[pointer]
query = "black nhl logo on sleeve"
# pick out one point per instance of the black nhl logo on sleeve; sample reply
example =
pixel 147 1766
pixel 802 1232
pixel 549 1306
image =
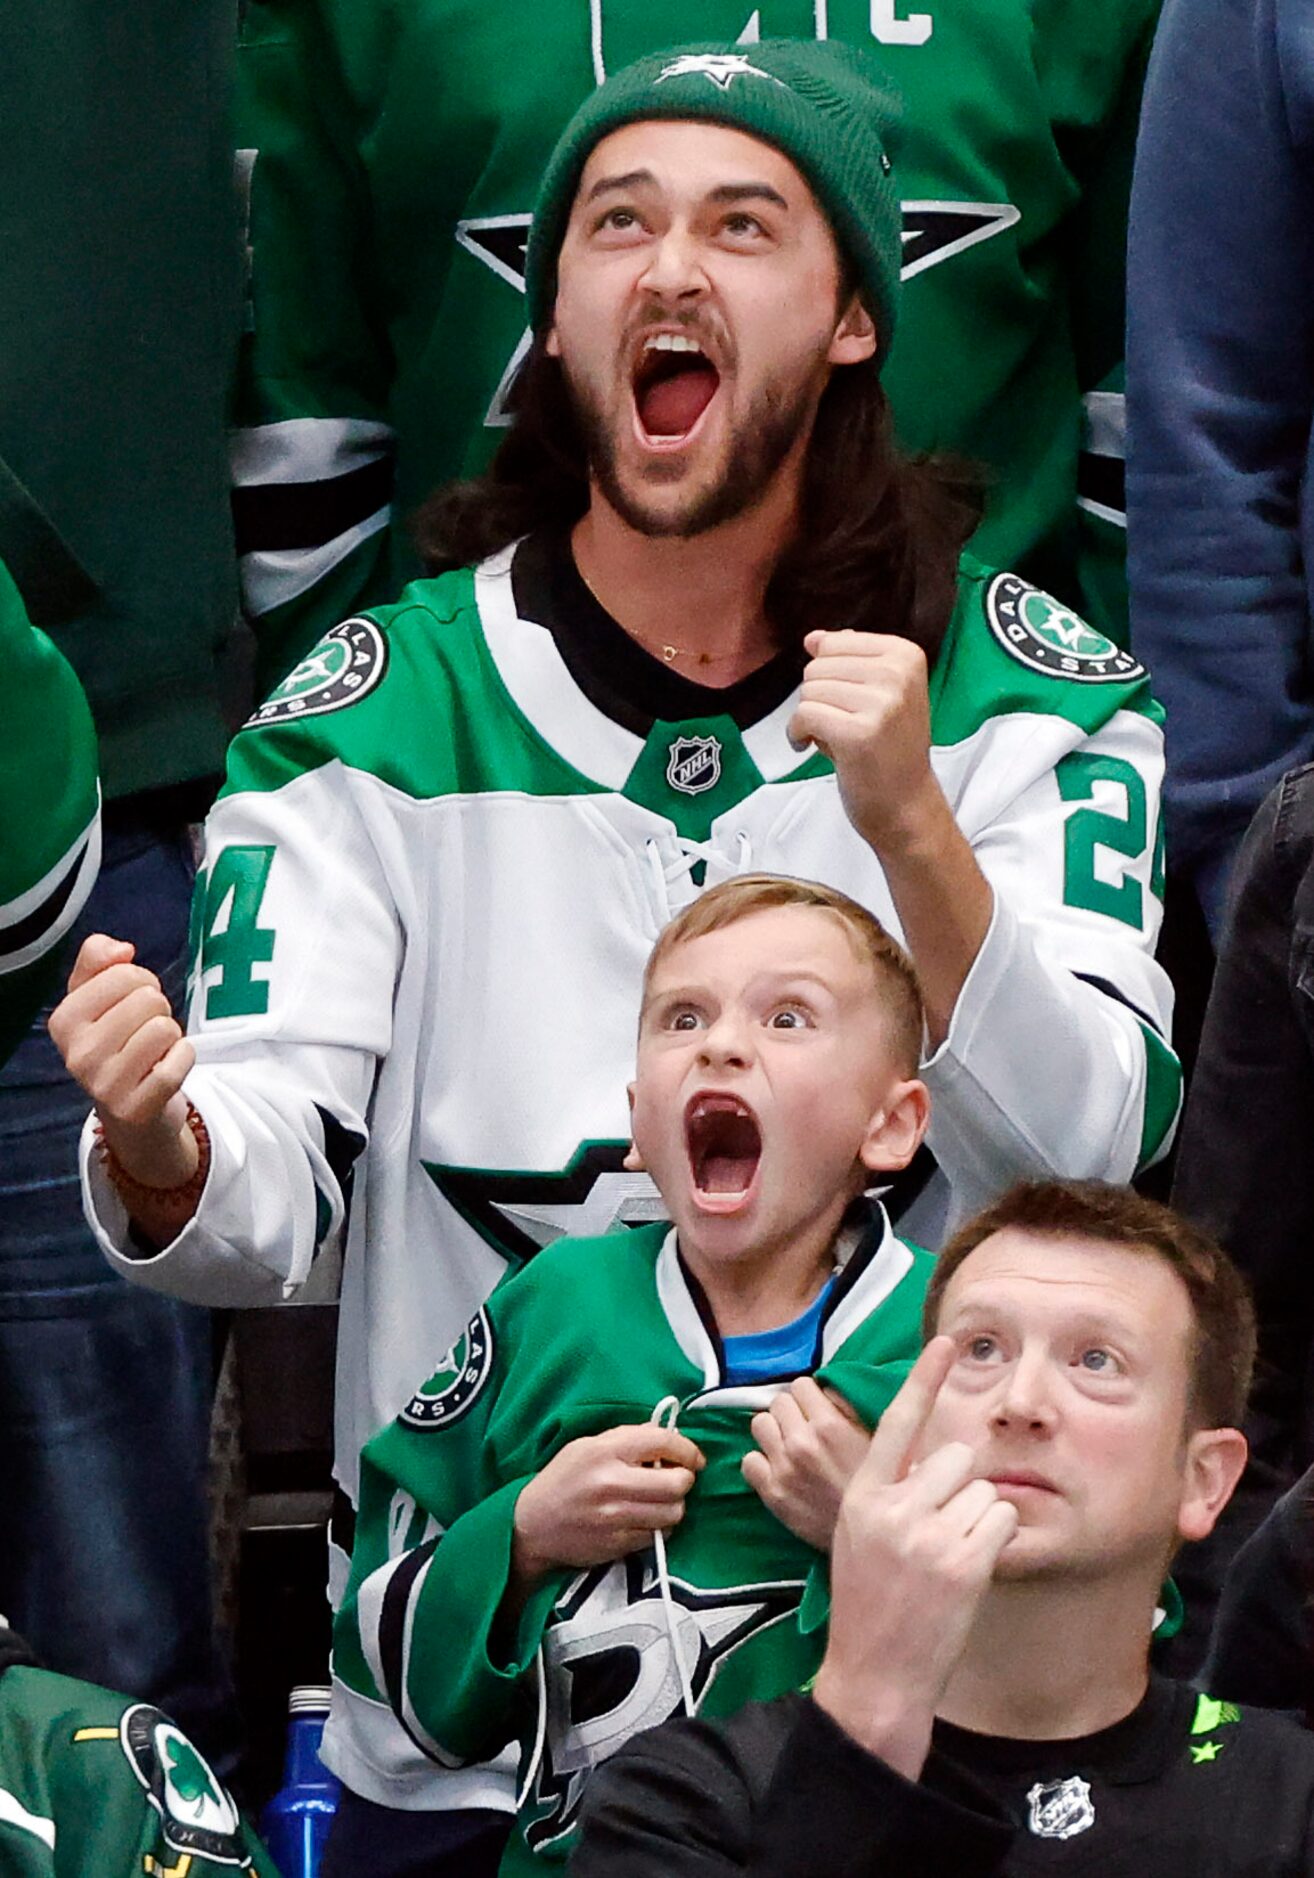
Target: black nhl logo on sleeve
pixel 1040 633
pixel 344 667
pixel 456 1384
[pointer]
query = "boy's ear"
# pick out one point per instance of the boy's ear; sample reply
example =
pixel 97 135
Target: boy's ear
pixel 633 1162
pixel 896 1129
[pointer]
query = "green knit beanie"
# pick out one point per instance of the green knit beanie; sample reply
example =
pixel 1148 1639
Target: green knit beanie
pixel 825 105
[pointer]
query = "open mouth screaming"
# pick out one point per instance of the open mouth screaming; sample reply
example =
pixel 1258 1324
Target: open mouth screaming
pixel 674 382
pixel 724 1144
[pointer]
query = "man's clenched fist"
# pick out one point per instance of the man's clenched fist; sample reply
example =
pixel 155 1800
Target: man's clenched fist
pixel 865 705
pixel 119 1038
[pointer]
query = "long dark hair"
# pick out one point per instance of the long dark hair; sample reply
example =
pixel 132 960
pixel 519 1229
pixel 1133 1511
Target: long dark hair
pixel 879 532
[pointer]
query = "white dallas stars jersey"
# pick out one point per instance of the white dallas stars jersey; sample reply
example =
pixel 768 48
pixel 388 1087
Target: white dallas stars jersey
pixel 434 877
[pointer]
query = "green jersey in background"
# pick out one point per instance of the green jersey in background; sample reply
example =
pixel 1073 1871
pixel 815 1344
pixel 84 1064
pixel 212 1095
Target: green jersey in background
pixel 391 154
pixel 93 1785
pixel 49 827
pixel 119 302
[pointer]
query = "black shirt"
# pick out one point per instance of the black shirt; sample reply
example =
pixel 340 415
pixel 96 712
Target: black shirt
pixel 615 673
pixel 1182 1788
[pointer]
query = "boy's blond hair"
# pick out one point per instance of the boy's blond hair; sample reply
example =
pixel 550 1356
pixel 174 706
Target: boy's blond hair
pixel 891 968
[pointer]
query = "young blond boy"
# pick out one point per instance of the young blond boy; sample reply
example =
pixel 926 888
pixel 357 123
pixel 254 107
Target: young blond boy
pixel 541 1552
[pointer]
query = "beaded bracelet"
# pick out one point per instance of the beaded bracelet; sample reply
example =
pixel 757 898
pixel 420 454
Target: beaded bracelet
pixel 159 1202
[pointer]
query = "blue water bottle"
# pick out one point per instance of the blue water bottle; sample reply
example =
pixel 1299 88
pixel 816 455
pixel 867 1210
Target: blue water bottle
pixel 295 1824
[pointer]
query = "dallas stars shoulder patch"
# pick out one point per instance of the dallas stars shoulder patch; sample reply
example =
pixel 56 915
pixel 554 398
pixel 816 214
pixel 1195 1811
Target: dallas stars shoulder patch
pixel 1040 633
pixel 344 667
pixel 458 1381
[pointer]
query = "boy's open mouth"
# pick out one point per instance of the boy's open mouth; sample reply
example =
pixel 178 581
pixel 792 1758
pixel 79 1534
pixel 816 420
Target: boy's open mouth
pixel 674 381
pixel 724 1144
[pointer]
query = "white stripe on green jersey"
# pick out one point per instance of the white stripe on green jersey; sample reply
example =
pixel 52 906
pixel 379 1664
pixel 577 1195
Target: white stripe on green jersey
pixel 430 888
pixel 49 807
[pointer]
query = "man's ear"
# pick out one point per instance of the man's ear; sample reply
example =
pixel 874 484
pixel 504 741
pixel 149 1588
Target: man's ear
pixel 896 1129
pixel 855 336
pixel 633 1162
pixel 1215 1461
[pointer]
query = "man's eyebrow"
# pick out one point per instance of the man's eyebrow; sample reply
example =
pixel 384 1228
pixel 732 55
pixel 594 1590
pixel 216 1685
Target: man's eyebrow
pixel 1082 1320
pixel 630 180
pixel 747 192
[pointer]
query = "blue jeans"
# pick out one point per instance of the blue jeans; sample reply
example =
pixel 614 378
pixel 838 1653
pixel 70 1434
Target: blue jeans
pixel 104 1388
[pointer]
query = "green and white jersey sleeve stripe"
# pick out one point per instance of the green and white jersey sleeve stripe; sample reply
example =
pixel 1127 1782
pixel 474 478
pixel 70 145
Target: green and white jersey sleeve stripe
pixel 49 808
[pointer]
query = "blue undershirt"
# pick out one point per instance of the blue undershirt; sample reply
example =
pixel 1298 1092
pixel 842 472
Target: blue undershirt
pixel 765 1354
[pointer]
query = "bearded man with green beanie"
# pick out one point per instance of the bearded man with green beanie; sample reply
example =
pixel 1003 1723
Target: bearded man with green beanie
pixel 701 619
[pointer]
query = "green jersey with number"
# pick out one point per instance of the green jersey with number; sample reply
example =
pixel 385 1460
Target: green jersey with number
pixel 422 1631
pixel 430 888
pixel 49 824
pixel 93 1785
pixel 393 153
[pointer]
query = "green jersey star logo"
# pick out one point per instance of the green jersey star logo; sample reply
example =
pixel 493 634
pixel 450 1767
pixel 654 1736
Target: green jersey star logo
pixel 1206 1751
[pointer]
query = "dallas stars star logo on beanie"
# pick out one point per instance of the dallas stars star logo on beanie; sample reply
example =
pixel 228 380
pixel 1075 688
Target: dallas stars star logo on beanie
pixel 825 105
pixel 721 67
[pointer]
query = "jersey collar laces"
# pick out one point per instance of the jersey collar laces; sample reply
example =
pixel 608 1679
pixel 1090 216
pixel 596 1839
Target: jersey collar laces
pixel 673 878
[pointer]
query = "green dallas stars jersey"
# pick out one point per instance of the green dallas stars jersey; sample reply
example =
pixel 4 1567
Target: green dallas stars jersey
pixel 430 888
pixel 393 151
pixel 95 1786
pixel 49 822
pixel 594 1334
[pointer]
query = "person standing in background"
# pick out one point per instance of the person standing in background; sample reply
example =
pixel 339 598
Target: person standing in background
pixel 1221 392
pixel 120 291
pixel 393 150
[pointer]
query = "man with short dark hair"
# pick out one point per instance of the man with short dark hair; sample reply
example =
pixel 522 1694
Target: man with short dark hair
pixel 985 1704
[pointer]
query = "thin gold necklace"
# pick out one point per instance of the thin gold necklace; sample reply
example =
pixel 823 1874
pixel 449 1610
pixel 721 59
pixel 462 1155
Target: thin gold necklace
pixel 668 653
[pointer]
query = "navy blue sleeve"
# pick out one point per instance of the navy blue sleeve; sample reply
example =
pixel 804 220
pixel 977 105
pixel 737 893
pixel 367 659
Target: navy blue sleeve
pixel 1220 394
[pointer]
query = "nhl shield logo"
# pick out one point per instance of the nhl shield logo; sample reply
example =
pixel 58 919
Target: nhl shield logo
pixel 1060 1809
pixel 694 765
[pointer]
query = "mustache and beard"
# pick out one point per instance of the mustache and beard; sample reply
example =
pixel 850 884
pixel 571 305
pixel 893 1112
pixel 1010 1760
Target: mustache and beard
pixel 778 414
